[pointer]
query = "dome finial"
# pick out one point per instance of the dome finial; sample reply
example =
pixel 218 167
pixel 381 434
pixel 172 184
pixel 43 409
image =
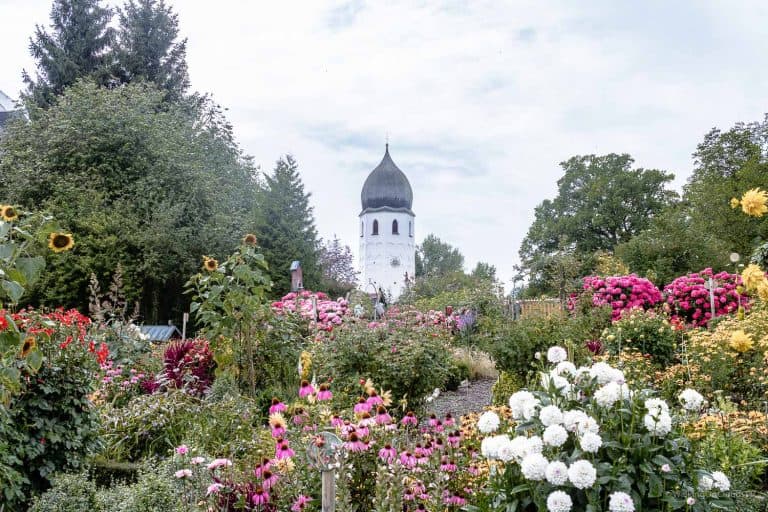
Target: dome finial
pixel 386 145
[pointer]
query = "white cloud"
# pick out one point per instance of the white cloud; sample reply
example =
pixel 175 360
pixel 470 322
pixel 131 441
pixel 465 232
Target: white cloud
pixel 481 100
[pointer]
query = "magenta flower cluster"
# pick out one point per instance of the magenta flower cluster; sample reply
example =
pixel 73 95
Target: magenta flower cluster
pixel 330 313
pixel 622 293
pixel 687 298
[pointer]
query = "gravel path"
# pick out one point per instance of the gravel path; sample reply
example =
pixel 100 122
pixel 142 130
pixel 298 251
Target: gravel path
pixel 472 398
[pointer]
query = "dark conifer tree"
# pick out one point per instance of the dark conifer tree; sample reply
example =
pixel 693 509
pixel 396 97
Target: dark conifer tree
pixel 286 227
pixel 78 45
pixel 148 48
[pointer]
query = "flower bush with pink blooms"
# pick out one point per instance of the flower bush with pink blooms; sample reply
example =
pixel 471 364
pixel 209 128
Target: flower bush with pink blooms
pixel 330 313
pixel 622 293
pixel 384 462
pixel 687 297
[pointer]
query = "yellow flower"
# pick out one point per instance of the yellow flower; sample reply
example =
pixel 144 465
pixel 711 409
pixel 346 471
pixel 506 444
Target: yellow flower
pixel 741 342
pixel 752 276
pixel 60 242
pixel 762 290
pixel 250 239
pixel 753 202
pixel 29 344
pixel 735 203
pixel 210 264
pixel 305 364
pixel 8 213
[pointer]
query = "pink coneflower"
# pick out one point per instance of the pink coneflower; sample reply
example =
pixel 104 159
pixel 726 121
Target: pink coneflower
pixel 259 470
pixel 388 454
pixel 182 449
pixel 347 427
pixel 382 416
pixel 300 503
pixel 217 463
pixel 449 421
pixel 433 420
pixel 336 421
pixel 409 419
pixel 268 479
pixel 324 393
pixel 196 460
pixel 422 451
pixel 473 470
pixel 438 444
pixel 454 499
pixel 422 459
pixel 260 497
pixel 355 444
pixel 454 438
pixel 299 416
pixel 407 459
pixel 408 496
pixel 362 406
pixel 374 398
pixel 283 450
pixel 438 426
pixel 363 431
pixel 277 406
pixel 418 488
pixel 277 424
pixel 447 465
pixel 306 389
pixel 214 488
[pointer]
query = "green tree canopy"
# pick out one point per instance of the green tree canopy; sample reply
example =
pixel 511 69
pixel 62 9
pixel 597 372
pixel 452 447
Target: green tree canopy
pixel 437 258
pixel 149 49
pixel 138 182
pixel 727 164
pixel 337 266
pixel 601 202
pixel 286 227
pixel 484 271
pixel 79 45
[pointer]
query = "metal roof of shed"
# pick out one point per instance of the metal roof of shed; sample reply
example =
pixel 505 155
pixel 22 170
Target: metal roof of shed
pixel 160 332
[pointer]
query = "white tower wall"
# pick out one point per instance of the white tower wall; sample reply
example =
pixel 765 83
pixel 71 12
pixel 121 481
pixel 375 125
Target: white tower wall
pixel 386 257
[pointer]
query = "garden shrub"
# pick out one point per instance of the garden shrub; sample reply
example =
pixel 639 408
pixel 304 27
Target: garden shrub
pixel 68 493
pixel 458 372
pixel 507 384
pixel 51 424
pixel 408 361
pixel 644 331
pixel 514 344
pixel 688 299
pixel 744 462
pixel 621 293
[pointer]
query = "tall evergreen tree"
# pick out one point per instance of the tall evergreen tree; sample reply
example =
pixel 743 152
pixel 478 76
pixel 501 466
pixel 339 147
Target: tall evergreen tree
pixel 79 45
pixel 286 227
pixel 148 48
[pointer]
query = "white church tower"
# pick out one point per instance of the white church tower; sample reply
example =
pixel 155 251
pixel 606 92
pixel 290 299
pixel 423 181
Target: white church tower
pixel 387 247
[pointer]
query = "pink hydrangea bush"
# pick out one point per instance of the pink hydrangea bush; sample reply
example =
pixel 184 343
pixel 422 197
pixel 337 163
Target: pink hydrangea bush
pixel 330 313
pixel 687 297
pixel 622 293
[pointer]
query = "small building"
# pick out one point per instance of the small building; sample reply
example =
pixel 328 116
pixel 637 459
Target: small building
pixel 8 110
pixel 297 276
pixel 161 333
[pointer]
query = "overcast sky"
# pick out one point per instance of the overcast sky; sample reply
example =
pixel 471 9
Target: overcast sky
pixel 480 100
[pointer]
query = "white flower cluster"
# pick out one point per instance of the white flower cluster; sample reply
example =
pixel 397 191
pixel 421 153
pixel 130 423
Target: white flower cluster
pixel 620 502
pixel 524 405
pixel 691 400
pixel 611 393
pixel 505 449
pixel 556 355
pixel 718 481
pixel 657 421
pixel 488 422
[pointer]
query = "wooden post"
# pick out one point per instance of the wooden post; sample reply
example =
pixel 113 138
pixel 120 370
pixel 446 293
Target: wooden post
pixel 184 320
pixel 712 297
pixel 328 492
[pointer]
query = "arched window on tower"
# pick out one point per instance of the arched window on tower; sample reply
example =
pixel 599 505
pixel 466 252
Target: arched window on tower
pixel 375 227
pixel 410 229
pixel 362 227
pixel 394 227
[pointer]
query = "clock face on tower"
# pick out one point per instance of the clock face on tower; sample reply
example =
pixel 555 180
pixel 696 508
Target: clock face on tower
pixel 395 262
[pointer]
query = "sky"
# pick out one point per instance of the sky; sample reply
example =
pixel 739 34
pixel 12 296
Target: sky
pixel 480 101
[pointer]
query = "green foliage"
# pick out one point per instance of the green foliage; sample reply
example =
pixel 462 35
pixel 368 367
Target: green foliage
pixel 727 164
pixel 78 46
pixel 68 493
pixel 601 203
pixel 743 462
pixel 437 258
pixel 338 268
pixel 103 162
pixel 644 331
pixel 286 227
pixel 672 246
pixel 148 49
pixel 53 425
pixel 458 371
pixel 507 384
pixel 410 362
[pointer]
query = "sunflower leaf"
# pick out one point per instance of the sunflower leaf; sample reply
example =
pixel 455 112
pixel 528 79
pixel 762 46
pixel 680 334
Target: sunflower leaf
pixel 31 267
pixel 13 289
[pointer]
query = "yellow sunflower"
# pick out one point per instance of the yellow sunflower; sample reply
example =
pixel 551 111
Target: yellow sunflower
pixel 753 202
pixel 60 242
pixel 8 213
pixel 752 276
pixel 735 203
pixel 210 264
pixel 29 344
pixel 250 239
pixel 741 342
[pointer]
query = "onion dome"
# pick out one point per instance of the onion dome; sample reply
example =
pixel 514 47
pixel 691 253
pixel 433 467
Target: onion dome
pixel 387 188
